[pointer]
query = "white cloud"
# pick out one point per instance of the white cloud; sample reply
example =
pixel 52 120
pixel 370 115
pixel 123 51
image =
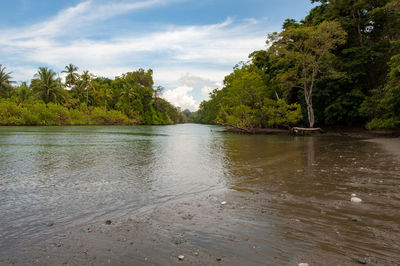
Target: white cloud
pixel 205 92
pixel 21 73
pixel 215 44
pixel 180 97
pixel 176 76
pixel 188 84
pixel 72 20
pixel 182 57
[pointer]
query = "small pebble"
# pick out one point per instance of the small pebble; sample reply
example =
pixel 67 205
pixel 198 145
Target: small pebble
pixel 50 224
pixel 304 264
pixel 224 203
pixel 108 222
pixel 361 261
pixel 219 259
pixel 196 253
pixel 355 199
pixel 181 257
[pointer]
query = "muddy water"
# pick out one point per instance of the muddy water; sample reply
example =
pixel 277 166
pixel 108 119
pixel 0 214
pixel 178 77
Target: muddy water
pixel 287 199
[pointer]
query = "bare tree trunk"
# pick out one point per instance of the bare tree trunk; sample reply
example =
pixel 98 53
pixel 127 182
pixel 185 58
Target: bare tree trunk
pixel 311 119
pixel 310 110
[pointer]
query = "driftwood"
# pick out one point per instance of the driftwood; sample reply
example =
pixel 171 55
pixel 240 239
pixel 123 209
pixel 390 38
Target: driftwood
pixel 237 129
pixel 251 130
pixel 258 131
pixel 292 131
pixel 304 130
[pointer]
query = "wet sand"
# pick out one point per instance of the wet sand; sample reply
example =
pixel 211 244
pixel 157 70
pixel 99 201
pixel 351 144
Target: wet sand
pixel 245 231
pixel 391 145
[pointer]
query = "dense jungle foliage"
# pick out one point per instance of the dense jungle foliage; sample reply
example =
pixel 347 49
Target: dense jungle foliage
pixel 340 65
pixel 84 99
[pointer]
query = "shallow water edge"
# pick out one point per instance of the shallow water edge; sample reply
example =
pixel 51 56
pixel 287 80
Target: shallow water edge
pixel 161 188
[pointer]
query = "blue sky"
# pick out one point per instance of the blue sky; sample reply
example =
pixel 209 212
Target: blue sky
pixel 190 44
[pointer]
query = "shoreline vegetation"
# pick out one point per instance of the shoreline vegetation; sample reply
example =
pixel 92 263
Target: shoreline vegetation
pixel 83 99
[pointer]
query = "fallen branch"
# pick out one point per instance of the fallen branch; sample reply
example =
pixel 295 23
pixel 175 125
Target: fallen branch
pixel 302 130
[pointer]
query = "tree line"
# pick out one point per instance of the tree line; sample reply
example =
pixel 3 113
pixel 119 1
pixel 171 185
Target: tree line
pixel 84 99
pixel 340 65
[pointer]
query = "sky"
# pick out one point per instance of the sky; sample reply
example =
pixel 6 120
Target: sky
pixel 191 45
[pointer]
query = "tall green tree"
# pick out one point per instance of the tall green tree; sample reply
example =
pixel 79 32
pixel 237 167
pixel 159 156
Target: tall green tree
pixel 128 94
pixel 383 107
pixel 372 28
pixel 246 102
pixel 104 94
pixel 305 55
pixel 47 85
pixel 72 75
pixel 86 84
pixel 242 104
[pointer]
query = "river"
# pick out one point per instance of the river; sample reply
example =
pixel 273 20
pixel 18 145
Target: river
pixel 197 191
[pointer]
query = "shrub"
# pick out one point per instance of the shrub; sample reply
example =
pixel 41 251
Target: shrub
pixel 377 123
pixel 11 113
pixel 99 116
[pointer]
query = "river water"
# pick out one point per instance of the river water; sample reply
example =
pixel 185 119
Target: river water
pixel 287 198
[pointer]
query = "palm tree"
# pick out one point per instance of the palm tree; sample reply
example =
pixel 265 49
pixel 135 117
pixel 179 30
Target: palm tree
pixel 105 93
pixel 72 77
pixel 128 93
pixel 86 83
pixel 23 92
pixel 47 85
pixel 5 80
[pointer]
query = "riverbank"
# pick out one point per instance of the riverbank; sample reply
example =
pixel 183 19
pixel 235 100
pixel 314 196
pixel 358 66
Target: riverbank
pixel 355 132
pixel 145 195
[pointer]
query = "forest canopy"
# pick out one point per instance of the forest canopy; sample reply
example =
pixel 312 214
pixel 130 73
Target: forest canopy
pixel 340 65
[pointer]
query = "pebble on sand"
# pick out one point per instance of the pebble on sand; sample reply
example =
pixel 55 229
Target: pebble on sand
pixel 361 260
pixel 108 222
pixel 355 199
pixel 303 264
pixel 50 224
pixel 224 203
pixel 181 257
